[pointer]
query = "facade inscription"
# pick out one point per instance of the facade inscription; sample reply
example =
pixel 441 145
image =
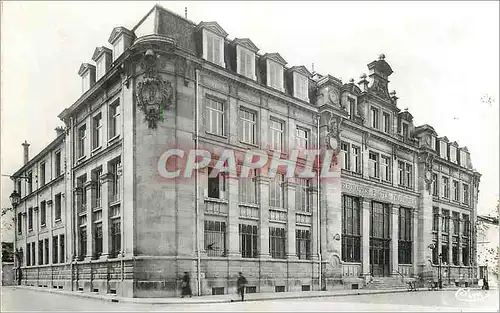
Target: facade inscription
pixel 378 194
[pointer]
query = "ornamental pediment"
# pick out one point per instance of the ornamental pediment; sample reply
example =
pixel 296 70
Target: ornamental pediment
pixel 214 27
pixel 246 43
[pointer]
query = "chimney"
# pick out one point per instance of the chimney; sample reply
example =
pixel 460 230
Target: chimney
pixel 59 130
pixel 26 151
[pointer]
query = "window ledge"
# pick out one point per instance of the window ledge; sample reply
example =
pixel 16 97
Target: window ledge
pixel 112 139
pixel 278 209
pixel 80 158
pixel 248 143
pixel 216 135
pixel 303 213
pixel 115 202
pixel 208 199
pixel 251 205
pixel 96 149
pixel 97 208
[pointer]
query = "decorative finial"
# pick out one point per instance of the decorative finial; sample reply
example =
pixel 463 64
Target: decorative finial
pixel 406 109
pixel 186 12
pixel 312 68
pixel 363 76
pixel 351 80
pixel 381 56
pixel 393 93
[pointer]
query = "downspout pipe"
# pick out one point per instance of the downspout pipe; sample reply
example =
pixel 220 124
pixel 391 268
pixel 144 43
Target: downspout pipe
pixel 318 215
pixel 197 208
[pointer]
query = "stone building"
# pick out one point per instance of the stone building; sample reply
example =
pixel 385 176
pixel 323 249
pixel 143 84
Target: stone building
pixel 96 216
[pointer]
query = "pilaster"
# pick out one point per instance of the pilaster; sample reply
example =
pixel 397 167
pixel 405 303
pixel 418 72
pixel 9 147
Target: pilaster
pixel 233 217
pixel 290 202
pixel 415 239
pixel 365 237
pixel 106 238
pixel 88 189
pixel 315 233
pixel 394 238
pixel 77 192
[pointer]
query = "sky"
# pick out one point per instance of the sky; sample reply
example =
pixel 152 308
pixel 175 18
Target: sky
pixel 445 57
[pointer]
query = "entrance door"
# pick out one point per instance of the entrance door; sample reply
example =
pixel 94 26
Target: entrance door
pixel 379 239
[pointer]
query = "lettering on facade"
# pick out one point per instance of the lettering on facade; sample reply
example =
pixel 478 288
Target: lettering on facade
pixel 378 194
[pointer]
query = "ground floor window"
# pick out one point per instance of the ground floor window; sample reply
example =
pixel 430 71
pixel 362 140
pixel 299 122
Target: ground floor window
pixel 465 255
pixel 83 242
pixel 404 252
pixel 55 246
pixel 303 244
pixel 351 248
pixel 116 237
pixel 277 242
pixel 97 239
pixel 248 241
pixel 62 251
pixel 215 238
pixel 444 254
pixel 40 252
pixel 454 253
pixel 435 254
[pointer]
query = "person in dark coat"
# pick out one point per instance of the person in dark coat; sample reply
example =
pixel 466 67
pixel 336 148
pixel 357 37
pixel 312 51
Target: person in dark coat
pixel 186 286
pixel 241 283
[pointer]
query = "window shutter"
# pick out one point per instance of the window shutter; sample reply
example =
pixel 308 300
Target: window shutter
pixel 210 47
pixel 217 50
pixel 249 67
pixel 242 59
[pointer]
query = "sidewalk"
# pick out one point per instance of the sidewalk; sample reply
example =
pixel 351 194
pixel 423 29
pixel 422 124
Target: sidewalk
pixel 222 298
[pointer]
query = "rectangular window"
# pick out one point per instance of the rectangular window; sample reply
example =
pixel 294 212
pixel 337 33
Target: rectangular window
pixel 40 252
pixel 246 61
pixel 55 248
pixel 114 168
pixel 19 182
pixel 275 75
pixel 301 138
pixel 30 219
pixel 215 238
pixel 46 254
pixel 277 242
pixel 351 224
pixel 97 239
pixel 276 134
pixel 28 254
pixel 408 175
pixel 445 221
pixel 42 174
pixel 57 164
pixel 435 255
pixel 114 119
pixel 443 149
pixel 248 188
pixel 466 194
pixel 405 236
pixel 303 244
pixel 446 187
pixel 19 223
pixel 83 242
pixel 463 158
pixel 30 182
pixel 373 164
pixel 215 47
pixel 385 168
pixel 456 191
pixel 300 87
pixel 62 251
pixel 374 117
pixel 435 219
pixel 97 191
pixel 466 228
pixel 277 191
pixel 248 241
pixel 453 154
pixel 303 195
pixel 82 135
pixel 444 253
pixel 43 213
pixel 356 159
pixel 435 187
pixel 33 255
pixel 82 205
pixel 465 255
pixel 100 70
pixel 456 222
pixel 247 126
pixel 97 131
pixel 216 184
pixel 386 119
pixel 116 236
pixel 344 148
pixel 215 117
pixel 404 130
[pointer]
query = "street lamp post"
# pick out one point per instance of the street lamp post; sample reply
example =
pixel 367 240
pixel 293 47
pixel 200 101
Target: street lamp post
pixel 15 198
pixel 440 280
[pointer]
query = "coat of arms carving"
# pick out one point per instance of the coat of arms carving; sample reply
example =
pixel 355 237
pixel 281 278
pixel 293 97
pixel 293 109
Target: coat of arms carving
pixel 153 97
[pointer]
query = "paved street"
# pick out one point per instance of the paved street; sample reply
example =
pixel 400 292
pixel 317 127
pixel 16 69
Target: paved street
pixel 444 301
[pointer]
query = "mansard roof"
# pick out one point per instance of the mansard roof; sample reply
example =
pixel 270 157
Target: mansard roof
pixel 425 127
pixel 99 51
pixel 406 115
pixel 276 57
pixel 213 27
pixel 247 43
pixel 84 68
pixel 351 87
pixel 329 79
pixel 117 31
pixel 381 66
pixel 300 69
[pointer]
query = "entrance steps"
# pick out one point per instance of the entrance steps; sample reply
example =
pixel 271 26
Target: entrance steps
pixel 393 282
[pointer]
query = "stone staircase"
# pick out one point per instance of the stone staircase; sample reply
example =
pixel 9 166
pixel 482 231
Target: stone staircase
pixel 393 282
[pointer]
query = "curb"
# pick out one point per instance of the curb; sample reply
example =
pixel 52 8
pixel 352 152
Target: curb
pixel 164 301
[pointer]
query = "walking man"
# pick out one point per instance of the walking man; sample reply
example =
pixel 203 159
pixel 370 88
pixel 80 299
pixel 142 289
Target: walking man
pixel 241 283
pixel 186 286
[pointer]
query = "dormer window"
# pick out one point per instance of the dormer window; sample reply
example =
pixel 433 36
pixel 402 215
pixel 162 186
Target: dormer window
pixel 453 154
pixel 275 75
pixel 118 48
pixel 404 129
pixel 213 48
pixel 300 86
pixel 433 143
pixel 443 149
pixel 86 82
pixel 246 62
pixel 87 72
pixel 102 58
pixel 463 158
pixel 121 38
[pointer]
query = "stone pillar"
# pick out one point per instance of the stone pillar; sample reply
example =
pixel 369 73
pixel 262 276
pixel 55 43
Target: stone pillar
pixel 394 238
pixel 105 179
pixel 415 240
pixel 440 240
pixel 88 189
pixel 233 217
pixel 365 238
pixel 460 231
pixel 290 186
pixel 263 189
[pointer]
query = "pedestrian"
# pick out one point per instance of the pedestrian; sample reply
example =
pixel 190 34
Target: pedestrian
pixel 186 286
pixel 241 283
